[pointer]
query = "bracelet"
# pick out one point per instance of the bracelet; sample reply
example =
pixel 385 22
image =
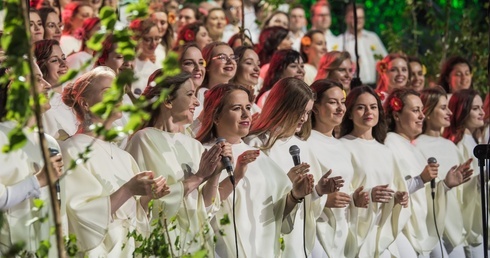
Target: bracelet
pixel 300 200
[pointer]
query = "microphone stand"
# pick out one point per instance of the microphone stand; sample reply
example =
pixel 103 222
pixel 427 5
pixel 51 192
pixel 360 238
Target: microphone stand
pixel 482 153
pixel 356 81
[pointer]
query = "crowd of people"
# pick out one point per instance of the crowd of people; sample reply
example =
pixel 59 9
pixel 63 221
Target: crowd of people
pixel 357 186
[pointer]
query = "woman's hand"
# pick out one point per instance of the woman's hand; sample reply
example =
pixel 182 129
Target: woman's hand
pixel 361 199
pixel 243 160
pixel 210 162
pixel 337 200
pixel 430 172
pixel 329 185
pixel 401 198
pixel 56 163
pixel 382 194
pixel 159 188
pixel 300 169
pixel 302 186
pixel 458 175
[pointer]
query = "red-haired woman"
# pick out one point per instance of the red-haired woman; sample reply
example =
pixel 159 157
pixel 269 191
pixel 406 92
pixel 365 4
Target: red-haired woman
pixel 77 60
pixel 394 72
pixel 73 16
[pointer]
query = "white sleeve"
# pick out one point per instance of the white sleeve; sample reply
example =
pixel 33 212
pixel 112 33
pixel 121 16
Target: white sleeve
pixel 15 194
pixel 414 184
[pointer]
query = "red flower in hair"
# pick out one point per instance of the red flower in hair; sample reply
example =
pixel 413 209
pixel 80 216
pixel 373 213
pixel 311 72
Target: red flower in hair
pixel 189 35
pixel 396 104
pixel 381 96
pixel 135 24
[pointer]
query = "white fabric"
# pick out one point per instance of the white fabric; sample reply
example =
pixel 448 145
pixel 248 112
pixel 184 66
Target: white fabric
pixel 420 230
pixel 160 55
pixel 59 121
pixel 310 73
pixel 447 156
pixel 374 229
pixel 175 157
pixel 251 24
pixel 296 40
pixel 293 241
pixel 334 43
pixel 369 45
pixel 142 70
pixel 77 60
pixel 70 44
pixel 86 191
pixel 228 32
pixel 332 226
pixel 260 200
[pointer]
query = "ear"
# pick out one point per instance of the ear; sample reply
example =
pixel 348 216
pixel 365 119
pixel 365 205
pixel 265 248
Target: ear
pixel 396 116
pixel 168 103
pixel 84 104
pixel 315 109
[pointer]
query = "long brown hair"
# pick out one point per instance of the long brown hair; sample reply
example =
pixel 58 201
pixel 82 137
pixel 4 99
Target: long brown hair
pixel 330 62
pixel 460 104
pixel 282 111
pixel 402 95
pixel 379 131
pixel 214 101
pixel 430 98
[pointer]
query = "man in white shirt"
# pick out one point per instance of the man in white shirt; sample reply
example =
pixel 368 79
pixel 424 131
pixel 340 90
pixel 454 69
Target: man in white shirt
pixel 297 25
pixel 233 11
pixel 370 47
pixel 250 20
pixel 321 19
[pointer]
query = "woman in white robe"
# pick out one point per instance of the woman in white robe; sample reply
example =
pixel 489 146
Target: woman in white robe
pixel 332 226
pixel 162 147
pixel 102 192
pixel 432 144
pixel 363 131
pixel 468 113
pixel 262 189
pixel 283 123
pixel 404 113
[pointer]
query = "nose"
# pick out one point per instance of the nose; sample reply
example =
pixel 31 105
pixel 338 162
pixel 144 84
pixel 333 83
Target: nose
pixel 195 101
pixel 62 63
pixel 36 27
pixel 301 70
pixel 449 111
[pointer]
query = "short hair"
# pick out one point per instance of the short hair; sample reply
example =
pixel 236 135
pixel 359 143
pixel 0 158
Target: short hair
pixel 319 4
pixel 350 7
pixel 194 8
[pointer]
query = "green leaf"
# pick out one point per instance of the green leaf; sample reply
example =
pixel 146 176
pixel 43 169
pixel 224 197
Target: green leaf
pixel 17 140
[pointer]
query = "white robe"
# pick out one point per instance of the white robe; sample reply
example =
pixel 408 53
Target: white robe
pixel 420 229
pixel 471 194
pixel 59 121
pixel 374 229
pixel 332 226
pixel 259 205
pixel 143 70
pixel 175 156
pixel 293 241
pixel 447 156
pixel 86 191
pixel 310 73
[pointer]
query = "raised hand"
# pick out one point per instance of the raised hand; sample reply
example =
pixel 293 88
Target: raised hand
pixel 300 169
pixel 401 198
pixel 337 200
pixel 56 163
pixel 328 185
pixel 302 185
pixel 430 172
pixel 210 161
pixel 243 160
pixel 458 175
pixel 382 194
pixel 361 199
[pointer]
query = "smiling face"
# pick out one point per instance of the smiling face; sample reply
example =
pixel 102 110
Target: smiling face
pixel 161 20
pixel 331 108
pixel 316 49
pixel 365 112
pixel 233 123
pixel 184 104
pixel 222 70
pixel 418 77
pixel 286 43
pixel 440 116
pixel 36 27
pixel 475 118
pixel 410 119
pixel 150 41
pixel 460 77
pixel 42 86
pixel 343 74
pixel 396 75
pixel 202 37
pixel 295 69
pixel 193 62
pixel 56 65
pixel 248 69
pixel 52 28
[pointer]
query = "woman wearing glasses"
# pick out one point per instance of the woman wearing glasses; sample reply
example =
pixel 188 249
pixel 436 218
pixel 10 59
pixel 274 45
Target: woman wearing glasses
pixel 337 66
pixel 148 37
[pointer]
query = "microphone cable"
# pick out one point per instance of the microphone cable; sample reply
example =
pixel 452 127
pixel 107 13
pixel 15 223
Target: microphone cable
pixel 234 220
pixel 435 224
pixel 304 229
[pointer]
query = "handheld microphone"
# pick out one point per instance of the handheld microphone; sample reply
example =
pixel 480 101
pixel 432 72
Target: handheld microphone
pixel 432 160
pixel 227 162
pixel 52 153
pixel 294 151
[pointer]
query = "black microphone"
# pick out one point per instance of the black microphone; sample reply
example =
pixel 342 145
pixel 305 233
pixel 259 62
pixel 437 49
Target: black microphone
pixel 227 162
pixel 432 160
pixel 52 153
pixel 294 151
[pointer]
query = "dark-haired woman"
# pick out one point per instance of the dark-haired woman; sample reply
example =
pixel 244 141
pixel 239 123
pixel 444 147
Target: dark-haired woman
pixel 363 131
pixel 328 111
pixel 36 26
pixel 468 113
pixel 432 144
pixel 162 147
pixel 264 195
pixel 285 63
pixel 283 123
pixel 51 23
pixel 247 73
pixel 456 74
pixel 404 114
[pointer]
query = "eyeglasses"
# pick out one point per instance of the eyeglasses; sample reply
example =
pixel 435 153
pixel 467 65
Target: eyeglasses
pixel 224 58
pixel 150 39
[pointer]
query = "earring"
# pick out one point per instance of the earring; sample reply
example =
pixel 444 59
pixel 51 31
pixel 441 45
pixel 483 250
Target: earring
pixel 87 119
